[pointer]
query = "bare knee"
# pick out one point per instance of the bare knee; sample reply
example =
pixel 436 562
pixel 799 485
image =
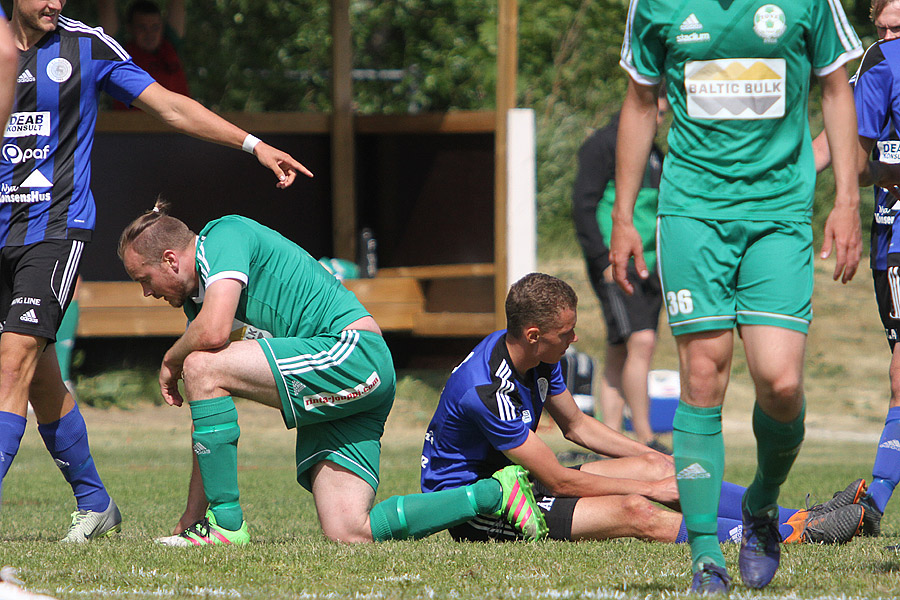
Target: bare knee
pixel 649 521
pixel 656 465
pixel 642 344
pixel 706 381
pixel 200 375
pixel 785 388
pixel 348 531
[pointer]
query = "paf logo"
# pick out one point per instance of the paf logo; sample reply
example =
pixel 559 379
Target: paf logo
pixel 14 154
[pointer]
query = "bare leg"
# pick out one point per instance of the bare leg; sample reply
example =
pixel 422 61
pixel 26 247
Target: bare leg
pixel 640 347
pixel 611 400
pixel 605 517
pixel 343 501
pixel 19 355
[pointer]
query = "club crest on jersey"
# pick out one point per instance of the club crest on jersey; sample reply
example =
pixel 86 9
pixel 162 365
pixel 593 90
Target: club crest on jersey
pixel 543 386
pixel 769 23
pixel 59 70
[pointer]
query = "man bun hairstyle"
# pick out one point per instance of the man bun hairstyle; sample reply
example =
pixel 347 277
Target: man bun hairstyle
pixel 537 300
pixel 154 232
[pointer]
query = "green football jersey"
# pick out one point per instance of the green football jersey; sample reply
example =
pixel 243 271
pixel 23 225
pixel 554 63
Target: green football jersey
pixel 737 77
pixel 287 293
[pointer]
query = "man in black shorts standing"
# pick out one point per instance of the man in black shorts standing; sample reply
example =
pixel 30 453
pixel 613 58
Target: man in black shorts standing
pixel 47 214
pixel 631 321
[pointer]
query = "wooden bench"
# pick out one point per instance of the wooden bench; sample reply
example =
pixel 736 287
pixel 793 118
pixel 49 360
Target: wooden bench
pixel 434 301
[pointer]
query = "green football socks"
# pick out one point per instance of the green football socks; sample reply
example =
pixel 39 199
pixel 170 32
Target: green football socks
pixel 419 515
pixel 699 454
pixel 777 445
pixel 215 438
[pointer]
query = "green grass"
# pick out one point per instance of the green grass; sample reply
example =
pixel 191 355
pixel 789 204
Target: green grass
pixel 144 457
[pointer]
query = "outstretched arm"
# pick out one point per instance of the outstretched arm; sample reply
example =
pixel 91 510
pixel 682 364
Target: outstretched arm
pixel 637 128
pixel 190 117
pixel 842 228
pixel 541 462
pixel 590 433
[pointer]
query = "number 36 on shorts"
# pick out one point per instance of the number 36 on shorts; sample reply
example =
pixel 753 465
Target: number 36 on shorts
pixel 679 303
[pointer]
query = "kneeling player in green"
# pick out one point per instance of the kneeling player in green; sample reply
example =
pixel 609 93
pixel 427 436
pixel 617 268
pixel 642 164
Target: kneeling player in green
pixel 307 347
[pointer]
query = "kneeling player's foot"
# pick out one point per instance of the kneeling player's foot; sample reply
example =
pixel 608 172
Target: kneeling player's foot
pixel 872 519
pixel 760 548
pixel 206 532
pixel 518 505
pixel 815 526
pixel 711 579
pixel 90 524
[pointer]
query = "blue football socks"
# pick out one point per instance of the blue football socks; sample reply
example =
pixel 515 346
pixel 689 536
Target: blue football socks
pixel 67 441
pixel 886 472
pixel 12 428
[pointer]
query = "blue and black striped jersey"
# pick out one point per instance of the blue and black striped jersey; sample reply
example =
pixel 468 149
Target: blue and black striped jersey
pixel 45 161
pixel 876 89
pixel 485 408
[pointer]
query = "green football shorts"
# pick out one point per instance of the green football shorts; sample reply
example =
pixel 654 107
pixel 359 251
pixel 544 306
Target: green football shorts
pixel 718 273
pixel 337 390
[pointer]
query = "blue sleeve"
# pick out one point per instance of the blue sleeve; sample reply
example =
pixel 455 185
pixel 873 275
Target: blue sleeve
pixel 557 381
pixel 873 93
pixel 124 80
pixel 501 434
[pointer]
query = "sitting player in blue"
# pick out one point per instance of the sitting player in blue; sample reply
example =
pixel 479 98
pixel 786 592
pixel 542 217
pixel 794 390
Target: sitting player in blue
pixel 490 409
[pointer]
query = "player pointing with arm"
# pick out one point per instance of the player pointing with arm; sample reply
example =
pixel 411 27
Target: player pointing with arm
pixel 734 241
pixel 47 214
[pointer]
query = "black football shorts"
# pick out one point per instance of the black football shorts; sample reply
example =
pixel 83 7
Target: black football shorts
pixel 37 282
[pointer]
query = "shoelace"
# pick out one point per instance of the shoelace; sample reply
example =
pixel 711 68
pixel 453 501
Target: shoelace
pixel 77 517
pixel 819 506
pixel 200 528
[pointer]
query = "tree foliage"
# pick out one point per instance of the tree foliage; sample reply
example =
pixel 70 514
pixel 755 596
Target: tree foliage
pixel 423 55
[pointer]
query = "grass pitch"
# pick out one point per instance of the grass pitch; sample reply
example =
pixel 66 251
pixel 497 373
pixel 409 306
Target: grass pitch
pixel 143 454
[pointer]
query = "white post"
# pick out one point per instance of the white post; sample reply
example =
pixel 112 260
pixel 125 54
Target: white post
pixel 521 204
